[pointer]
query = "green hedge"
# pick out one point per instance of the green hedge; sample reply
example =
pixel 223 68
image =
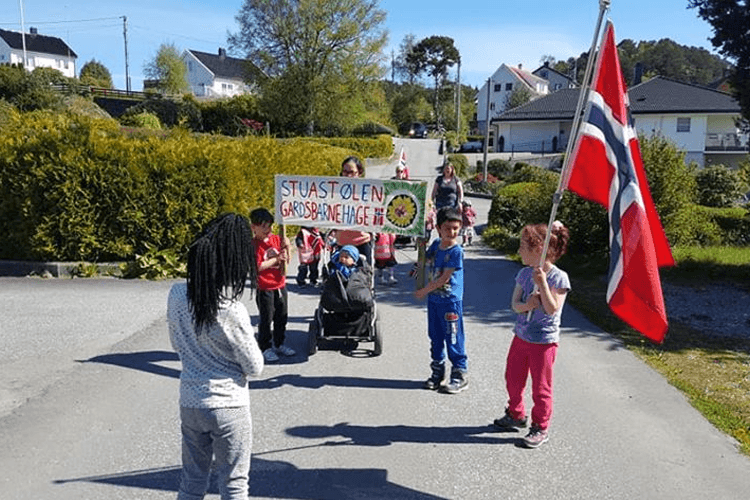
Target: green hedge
pixel 366 147
pixel 77 188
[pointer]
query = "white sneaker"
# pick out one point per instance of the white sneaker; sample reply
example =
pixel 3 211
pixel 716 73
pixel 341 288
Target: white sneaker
pixel 392 280
pixel 269 355
pixel 285 351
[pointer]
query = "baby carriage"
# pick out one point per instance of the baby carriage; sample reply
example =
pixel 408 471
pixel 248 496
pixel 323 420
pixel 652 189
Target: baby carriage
pixel 347 310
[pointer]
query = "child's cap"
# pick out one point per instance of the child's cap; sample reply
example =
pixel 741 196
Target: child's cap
pixel 352 251
pixel 466 203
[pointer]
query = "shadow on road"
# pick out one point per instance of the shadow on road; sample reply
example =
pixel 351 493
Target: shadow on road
pixel 318 382
pixel 386 435
pixel 144 361
pixel 276 479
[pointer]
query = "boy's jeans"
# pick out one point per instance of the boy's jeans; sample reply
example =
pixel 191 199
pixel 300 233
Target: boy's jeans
pixel 226 434
pixel 445 327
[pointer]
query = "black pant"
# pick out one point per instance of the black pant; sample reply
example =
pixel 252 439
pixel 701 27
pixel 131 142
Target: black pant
pixel 312 269
pixel 272 308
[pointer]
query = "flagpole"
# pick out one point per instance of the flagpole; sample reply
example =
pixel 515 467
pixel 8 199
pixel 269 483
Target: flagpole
pixel 577 118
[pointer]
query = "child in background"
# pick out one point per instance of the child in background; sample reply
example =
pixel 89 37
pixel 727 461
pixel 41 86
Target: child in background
pixel 210 330
pixel 309 247
pixel 541 290
pixel 444 292
pixel 271 254
pixel 469 217
pixel 385 258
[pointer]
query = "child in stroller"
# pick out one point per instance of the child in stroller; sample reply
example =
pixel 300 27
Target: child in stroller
pixel 347 308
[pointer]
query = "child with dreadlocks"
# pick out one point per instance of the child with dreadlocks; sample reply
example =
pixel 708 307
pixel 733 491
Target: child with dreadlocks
pixel 211 331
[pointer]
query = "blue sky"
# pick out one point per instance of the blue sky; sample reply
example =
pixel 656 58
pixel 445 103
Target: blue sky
pixel 487 33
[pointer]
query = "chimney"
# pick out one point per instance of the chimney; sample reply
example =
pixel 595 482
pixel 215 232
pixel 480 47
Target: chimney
pixel 32 30
pixel 638 73
pixel 222 53
pixel 520 66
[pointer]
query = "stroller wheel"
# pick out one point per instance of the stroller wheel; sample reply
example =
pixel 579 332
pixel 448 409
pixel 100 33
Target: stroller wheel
pixel 312 338
pixel 377 348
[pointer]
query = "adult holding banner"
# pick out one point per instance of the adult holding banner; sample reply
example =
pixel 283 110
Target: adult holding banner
pixel 448 190
pixel 352 167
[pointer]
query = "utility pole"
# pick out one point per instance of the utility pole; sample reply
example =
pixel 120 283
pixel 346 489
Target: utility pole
pixel 23 34
pixel 125 36
pixel 487 131
pixel 458 100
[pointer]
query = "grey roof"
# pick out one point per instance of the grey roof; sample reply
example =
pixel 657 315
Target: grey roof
pixel 553 70
pixel 657 96
pixel 223 66
pixel 37 43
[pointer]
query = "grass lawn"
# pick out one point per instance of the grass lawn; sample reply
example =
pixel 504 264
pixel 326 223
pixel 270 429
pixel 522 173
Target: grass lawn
pixel 714 373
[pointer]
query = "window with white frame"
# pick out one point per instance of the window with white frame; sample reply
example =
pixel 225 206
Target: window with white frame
pixel 683 124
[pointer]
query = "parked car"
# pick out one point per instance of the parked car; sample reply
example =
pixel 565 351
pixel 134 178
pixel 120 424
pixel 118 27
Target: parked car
pixel 471 147
pixel 417 130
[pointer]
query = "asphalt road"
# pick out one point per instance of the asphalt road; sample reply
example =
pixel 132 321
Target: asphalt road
pixel 99 417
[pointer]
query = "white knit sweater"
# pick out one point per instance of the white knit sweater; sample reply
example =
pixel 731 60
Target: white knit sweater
pixel 216 363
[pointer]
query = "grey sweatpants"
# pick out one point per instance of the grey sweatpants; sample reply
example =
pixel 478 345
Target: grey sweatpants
pixel 225 434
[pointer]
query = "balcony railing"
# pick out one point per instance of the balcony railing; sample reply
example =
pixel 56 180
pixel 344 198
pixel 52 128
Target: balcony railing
pixel 727 142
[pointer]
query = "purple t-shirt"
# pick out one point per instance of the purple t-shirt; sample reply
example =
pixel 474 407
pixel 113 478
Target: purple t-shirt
pixel 541 328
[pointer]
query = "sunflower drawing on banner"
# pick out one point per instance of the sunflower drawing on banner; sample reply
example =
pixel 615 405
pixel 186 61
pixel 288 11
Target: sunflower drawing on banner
pixel 404 202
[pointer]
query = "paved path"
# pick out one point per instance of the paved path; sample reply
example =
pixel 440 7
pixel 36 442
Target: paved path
pixel 338 427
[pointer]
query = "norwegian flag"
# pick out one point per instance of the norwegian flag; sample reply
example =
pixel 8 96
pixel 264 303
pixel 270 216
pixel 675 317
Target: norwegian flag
pixel 402 162
pixel 607 168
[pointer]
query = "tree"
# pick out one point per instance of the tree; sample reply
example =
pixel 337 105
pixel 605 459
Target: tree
pixel 403 65
pixel 168 69
pixel 730 20
pixel 317 56
pixel 435 55
pixel 519 96
pixel 96 74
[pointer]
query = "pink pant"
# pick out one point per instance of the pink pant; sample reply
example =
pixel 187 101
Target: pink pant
pixel 537 359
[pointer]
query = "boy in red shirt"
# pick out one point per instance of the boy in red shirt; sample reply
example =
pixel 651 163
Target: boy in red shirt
pixel 271 254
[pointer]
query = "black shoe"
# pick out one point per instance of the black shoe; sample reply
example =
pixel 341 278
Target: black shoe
pixel 508 422
pixel 436 379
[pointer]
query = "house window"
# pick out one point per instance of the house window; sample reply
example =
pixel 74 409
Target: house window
pixel 508 86
pixel 492 106
pixel 498 87
pixel 683 124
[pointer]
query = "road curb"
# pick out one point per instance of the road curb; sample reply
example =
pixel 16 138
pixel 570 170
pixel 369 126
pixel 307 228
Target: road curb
pixel 21 268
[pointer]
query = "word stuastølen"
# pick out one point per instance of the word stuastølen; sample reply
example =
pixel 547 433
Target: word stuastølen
pixel 339 201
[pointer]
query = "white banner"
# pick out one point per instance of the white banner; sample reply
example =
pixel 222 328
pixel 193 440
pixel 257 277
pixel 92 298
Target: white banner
pixel 372 205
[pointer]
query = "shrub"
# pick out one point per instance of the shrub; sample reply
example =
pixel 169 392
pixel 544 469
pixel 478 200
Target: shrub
pixel 76 188
pixel 143 119
pixel 719 186
pixel 460 164
pixel 365 147
pixel 499 168
pixel 523 172
pixel 672 183
pixel 228 116
pixel 733 224
pixel 172 113
pixel 516 205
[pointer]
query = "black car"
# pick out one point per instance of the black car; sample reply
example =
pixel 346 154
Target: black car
pixel 417 130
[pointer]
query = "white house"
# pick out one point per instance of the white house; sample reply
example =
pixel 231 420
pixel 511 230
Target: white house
pixel 556 80
pixel 216 75
pixel 503 83
pixel 698 120
pixel 41 51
